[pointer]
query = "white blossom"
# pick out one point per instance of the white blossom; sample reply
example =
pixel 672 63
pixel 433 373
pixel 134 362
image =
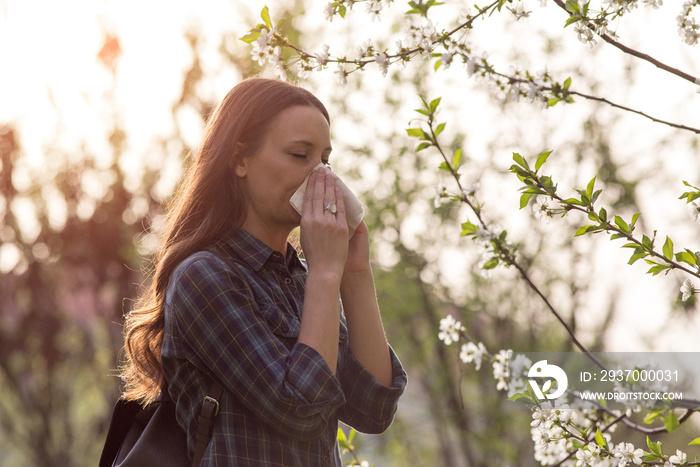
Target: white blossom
pixel 265 37
pixel 471 66
pixel 540 209
pixel 625 6
pixel 589 455
pixel 626 453
pixel 695 208
pixel 449 330
pixel 584 33
pixel 374 8
pixel 439 194
pixel 500 369
pixel 365 48
pixel 654 3
pixel 520 364
pixel 688 28
pixel 679 458
pixel 382 63
pixel 473 353
pixel 687 289
pixel 329 11
pixel 486 256
pixel 471 188
pixel 341 74
pixel 322 58
pixel 446 59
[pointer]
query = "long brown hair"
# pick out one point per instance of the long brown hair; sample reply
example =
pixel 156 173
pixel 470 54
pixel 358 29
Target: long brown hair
pixel 207 205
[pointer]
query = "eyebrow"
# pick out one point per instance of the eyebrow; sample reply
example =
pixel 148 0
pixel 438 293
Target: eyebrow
pixel 309 144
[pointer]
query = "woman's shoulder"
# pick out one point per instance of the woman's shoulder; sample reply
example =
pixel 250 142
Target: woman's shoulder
pixel 211 262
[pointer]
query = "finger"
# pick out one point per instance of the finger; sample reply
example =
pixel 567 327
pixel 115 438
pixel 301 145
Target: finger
pixel 340 205
pixel 329 192
pixel 307 205
pixel 318 192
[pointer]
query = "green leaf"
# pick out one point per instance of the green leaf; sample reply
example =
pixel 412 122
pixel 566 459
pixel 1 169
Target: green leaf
pixel 603 215
pixel 265 15
pixel 635 217
pixel 439 129
pixel 519 395
pixel 600 440
pixel 572 201
pixel 251 37
pixel 552 101
pixel 639 254
pixel 422 146
pixel 687 257
pixel 587 229
pixel 620 222
pixel 524 199
pixel 468 228
pixel 658 268
pixel 668 249
pixel 445 166
pixel 589 188
pixel 653 415
pixel 524 176
pixel 567 83
pixel 541 159
pixel 671 422
pixel 457 158
pixel 695 441
pixel 418 132
pixel 572 6
pixel 434 104
pixel 572 20
pixel 520 160
pixel 342 440
pixel 436 67
pixel 655 448
pixel 492 263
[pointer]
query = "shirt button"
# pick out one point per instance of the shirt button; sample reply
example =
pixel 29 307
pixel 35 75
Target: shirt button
pixel 287 280
pixel 326 460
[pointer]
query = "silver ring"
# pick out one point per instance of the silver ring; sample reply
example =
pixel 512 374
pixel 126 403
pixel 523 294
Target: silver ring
pixel 332 207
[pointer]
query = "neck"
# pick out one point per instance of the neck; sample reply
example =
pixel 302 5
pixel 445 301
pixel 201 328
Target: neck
pixel 275 238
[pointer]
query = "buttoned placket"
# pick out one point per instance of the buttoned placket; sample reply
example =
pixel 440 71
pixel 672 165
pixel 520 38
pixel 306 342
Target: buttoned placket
pixel 284 279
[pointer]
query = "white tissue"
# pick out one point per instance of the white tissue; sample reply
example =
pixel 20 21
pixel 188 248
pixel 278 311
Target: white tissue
pixel 354 212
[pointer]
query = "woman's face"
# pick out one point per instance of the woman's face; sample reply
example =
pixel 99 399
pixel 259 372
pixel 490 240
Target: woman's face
pixel 296 141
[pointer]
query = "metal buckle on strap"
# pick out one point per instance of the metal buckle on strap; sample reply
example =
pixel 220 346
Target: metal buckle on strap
pixel 213 401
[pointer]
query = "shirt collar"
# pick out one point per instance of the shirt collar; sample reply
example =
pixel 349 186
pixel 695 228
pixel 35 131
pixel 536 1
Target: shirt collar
pixel 256 253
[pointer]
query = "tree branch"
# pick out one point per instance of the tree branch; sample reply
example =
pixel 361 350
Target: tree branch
pixel 633 52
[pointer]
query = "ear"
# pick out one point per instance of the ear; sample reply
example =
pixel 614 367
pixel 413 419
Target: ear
pixel 239 162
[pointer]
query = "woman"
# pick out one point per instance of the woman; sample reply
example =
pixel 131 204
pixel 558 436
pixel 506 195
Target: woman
pixel 231 301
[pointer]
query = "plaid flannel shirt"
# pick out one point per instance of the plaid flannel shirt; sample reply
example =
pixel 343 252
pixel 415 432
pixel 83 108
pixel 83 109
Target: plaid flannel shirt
pixel 281 402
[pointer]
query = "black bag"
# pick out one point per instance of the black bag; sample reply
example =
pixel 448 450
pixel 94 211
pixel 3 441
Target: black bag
pixel 151 436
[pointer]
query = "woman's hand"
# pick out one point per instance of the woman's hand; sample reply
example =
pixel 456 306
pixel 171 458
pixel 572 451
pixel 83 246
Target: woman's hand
pixel 358 251
pixel 324 235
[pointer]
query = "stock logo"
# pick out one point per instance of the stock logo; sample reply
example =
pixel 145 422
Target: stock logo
pixel 543 370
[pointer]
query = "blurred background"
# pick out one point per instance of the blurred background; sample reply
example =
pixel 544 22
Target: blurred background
pixel 101 100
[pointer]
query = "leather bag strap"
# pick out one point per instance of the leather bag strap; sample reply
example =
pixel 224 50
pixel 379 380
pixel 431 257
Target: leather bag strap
pixel 205 422
pixel 210 406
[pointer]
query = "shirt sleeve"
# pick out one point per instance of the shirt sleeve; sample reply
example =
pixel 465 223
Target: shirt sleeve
pixel 370 406
pixel 214 312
